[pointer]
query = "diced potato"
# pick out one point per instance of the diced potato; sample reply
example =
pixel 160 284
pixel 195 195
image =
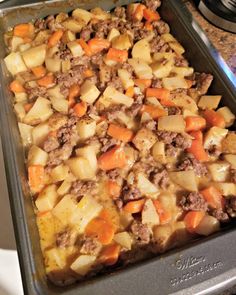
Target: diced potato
pixel 89 153
pixel 131 156
pixel 47 198
pixel 131 9
pixel 41 37
pixel 65 66
pixel 124 239
pixel 37 156
pixel 180 233
pixel 40 112
pixel 60 17
pixel 144 139
pixel 68 36
pixel 122 42
pixel 46 226
pixel 228 116
pixel 40 133
pixel 155 102
pixel 173 83
pixel 20 97
pixel 26 133
pixel 53 64
pixel 15 63
pixel 15 42
pixel 34 56
pixel 149 214
pixel 186 179
pixel 117 97
pixel 162 70
pixel 219 170
pixel 55 92
pixel 167 37
pixel 64 188
pixel 126 120
pixel 87 209
pixel 81 168
pixel 226 188
pixel 214 137
pixel 125 219
pixel 188 113
pixel 56 259
pixel 83 264
pixel 89 92
pixel 182 71
pixel 75 49
pixel 112 34
pixel 100 14
pixel 174 123
pixel 83 14
pixel 146 187
pixel 59 173
pixel 168 202
pixel 231 159
pixel 60 104
pixel 177 47
pixel 20 111
pixel 158 152
pixel 74 25
pixel 229 143
pixel 162 235
pixel 51 51
pixel 141 68
pixel 141 50
pixel 86 128
pixel 163 55
pixel 210 102
pixel 207 226
pixel 125 77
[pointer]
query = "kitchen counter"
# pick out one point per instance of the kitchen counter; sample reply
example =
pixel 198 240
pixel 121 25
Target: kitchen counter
pixel 224 42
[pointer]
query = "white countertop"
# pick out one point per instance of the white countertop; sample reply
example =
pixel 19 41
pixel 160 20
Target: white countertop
pixel 10 278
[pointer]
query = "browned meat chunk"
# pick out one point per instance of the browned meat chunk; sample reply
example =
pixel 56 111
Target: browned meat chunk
pixel 61 154
pixel 107 143
pixel 220 215
pixel 181 62
pixel 50 144
pixel 194 202
pixel 161 27
pixel 190 163
pixel 151 125
pixel 203 82
pixel 112 112
pixel 120 12
pixel 130 193
pixel 160 178
pixel 174 111
pixel 233 175
pixel 35 92
pixel 86 33
pixel 90 246
pixel 175 139
pixel 152 4
pixel 231 206
pixel 141 232
pixel 80 188
pixel 156 83
pixel 65 238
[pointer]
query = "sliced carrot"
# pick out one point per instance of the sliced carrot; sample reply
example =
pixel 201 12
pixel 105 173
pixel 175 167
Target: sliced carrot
pixel 110 254
pixel 194 123
pixel 160 93
pixel 23 30
pixel 39 71
pixel 197 148
pixel 150 15
pixel 213 197
pixel 117 55
pixel 28 106
pixel 120 133
pixel 165 216
pixel 138 14
pixel 113 158
pixel 88 73
pixel 192 220
pixel 214 119
pixel 143 83
pixel 154 111
pixel 134 206
pixel 80 109
pixel 73 93
pixel 130 91
pixel 85 47
pixel 113 188
pixel 16 87
pixel 55 38
pixel 148 26
pixel 47 81
pixel 105 215
pixel 96 45
pixel 36 178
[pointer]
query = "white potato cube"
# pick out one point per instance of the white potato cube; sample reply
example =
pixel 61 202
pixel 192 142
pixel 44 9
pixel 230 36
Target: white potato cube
pixel 81 168
pixel 65 208
pixel 124 239
pixel 174 123
pixel 34 56
pixel 59 173
pixel 64 188
pixel 228 116
pixel 26 133
pixel 141 68
pixel 60 104
pixel 186 179
pixel 117 97
pixel 53 64
pixel 125 77
pixel 214 137
pixel 173 83
pixel 158 152
pixel 186 102
pixel 207 226
pixel 219 171
pixel 15 63
pixel 149 214
pixel 37 156
pixel 231 159
pixel 182 71
pixel 89 92
pixel 112 34
pixel 227 189
pixel 83 264
pixel 209 102
pixel 146 187
pixel 161 70
pixel 75 49
pixel 40 133
pixel 20 110
pixel 141 49
pixel 86 128
pixel 83 14
pixel 47 199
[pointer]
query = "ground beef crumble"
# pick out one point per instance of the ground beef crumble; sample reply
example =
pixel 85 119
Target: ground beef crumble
pixel 90 246
pixel 189 162
pixel 141 232
pixel 193 201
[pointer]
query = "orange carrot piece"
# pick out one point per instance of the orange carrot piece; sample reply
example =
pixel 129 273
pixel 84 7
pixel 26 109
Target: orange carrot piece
pixel 85 47
pixel 143 83
pixel 130 91
pixel 114 158
pixel 36 178
pixel 150 15
pixel 105 215
pixel 96 45
pixel 160 93
pixel 117 55
pixel 110 254
pixel 120 133
pixel 197 148
pixel 154 111
pixel 80 109
pixel 88 73
pixel 39 71
pixel 28 106
pixel 113 188
pixel 55 38
pixel 194 123
pixel 165 216
pixel 23 30
pixel 192 220
pixel 138 14
pixel 214 119
pixel 47 81
pixel 16 87
pixel 73 93
pixel 148 26
pixel 134 206
pixel 213 197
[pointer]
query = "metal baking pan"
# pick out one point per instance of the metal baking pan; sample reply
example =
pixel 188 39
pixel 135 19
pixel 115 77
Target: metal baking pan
pixel 206 266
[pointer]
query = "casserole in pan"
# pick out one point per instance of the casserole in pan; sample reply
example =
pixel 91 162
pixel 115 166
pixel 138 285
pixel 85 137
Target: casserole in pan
pixel 181 264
